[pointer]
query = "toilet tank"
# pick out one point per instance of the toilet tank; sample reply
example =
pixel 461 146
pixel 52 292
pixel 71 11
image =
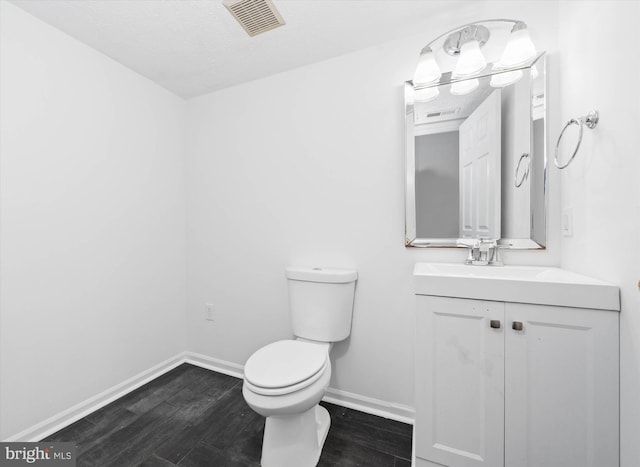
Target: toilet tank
pixel 321 302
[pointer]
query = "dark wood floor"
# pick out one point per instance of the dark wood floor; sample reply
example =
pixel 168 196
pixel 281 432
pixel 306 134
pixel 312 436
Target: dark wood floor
pixel 194 417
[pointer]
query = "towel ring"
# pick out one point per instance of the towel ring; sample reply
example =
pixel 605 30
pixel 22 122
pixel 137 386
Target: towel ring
pixel 591 120
pixel 525 175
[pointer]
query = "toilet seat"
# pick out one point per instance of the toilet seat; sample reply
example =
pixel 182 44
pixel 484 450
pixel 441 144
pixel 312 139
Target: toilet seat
pixel 285 366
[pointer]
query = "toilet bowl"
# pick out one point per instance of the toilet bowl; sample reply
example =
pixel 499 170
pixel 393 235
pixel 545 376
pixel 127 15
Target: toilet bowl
pixel 296 426
pixel 285 381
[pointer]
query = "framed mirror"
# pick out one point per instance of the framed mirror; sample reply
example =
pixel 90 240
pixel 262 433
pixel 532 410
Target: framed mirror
pixel 476 161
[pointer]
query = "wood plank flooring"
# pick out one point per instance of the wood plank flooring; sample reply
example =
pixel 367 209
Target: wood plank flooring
pixel 193 417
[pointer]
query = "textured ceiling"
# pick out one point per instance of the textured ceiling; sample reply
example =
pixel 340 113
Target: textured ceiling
pixel 193 47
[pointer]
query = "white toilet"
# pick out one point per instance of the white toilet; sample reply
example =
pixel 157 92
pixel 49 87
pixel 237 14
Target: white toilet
pixel 286 380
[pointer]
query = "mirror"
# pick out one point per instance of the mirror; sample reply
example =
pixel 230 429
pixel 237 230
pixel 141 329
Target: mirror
pixel 476 163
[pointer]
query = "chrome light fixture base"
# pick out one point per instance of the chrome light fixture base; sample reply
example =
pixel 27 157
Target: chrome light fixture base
pixel 456 40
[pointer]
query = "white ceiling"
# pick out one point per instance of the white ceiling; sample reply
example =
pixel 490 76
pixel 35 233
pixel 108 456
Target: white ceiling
pixel 193 47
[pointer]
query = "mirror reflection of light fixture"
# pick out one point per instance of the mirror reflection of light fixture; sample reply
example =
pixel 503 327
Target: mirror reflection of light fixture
pixel 459 51
pixel 426 94
pixel 534 72
pixel 506 78
pixel 460 88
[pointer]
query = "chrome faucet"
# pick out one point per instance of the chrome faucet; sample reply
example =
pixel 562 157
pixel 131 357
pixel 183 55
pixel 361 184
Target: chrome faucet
pixel 484 252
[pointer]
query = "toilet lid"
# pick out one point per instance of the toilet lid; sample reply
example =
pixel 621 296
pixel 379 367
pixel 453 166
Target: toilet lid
pixel 285 363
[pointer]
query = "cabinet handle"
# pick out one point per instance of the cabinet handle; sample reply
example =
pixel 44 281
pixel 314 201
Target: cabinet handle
pixel 517 326
pixel 495 323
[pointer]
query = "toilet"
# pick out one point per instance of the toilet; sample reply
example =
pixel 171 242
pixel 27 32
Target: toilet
pixel 284 381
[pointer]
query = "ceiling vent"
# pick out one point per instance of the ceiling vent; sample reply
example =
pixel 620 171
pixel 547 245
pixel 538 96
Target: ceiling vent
pixel 255 16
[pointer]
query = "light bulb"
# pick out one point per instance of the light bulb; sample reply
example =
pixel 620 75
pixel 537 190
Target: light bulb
pixel 427 71
pixel 460 88
pixel 426 94
pixel 507 78
pixel 471 60
pixel 519 49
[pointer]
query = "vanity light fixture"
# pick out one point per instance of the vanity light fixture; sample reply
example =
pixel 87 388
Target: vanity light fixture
pixel 427 71
pixel 460 52
pixel 471 60
pixel 519 49
pixel 466 43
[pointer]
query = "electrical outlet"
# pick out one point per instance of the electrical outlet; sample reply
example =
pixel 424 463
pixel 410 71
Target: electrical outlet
pixel 209 314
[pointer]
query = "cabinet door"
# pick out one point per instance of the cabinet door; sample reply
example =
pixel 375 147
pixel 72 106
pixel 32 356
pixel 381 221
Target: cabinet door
pixel 459 382
pixel 561 387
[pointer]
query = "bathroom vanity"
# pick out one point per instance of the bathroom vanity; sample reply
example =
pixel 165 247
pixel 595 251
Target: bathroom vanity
pixel 515 366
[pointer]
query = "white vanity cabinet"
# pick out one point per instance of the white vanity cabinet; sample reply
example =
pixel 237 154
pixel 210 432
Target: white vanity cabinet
pixel 502 383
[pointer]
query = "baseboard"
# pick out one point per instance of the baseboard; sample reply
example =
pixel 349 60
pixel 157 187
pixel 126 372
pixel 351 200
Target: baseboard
pixel 215 364
pixel 398 412
pixel 350 400
pixel 67 417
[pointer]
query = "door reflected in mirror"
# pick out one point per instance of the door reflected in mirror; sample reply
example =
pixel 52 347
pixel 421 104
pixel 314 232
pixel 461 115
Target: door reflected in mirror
pixel 476 162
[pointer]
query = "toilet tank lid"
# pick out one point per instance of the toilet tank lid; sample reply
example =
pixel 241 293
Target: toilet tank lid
pixel 329 275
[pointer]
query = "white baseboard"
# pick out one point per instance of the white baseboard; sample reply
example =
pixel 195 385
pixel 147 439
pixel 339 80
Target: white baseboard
pixel 398 412
pixel 72 414
pixel 67 417
pixel 401 413
pixel 215 364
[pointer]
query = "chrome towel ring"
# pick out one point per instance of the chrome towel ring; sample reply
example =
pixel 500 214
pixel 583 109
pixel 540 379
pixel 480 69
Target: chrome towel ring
pixel 525 175
pixel 591 120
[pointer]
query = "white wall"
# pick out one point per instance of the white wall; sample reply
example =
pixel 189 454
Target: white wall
pixel 602 185
pixel 92 232
pixel 307 168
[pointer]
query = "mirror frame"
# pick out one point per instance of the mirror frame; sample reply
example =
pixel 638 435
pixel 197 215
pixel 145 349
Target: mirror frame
pixel 411 239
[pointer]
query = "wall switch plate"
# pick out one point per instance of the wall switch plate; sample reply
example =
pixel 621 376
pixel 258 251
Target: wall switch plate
pixel 567 222
pixel 209 315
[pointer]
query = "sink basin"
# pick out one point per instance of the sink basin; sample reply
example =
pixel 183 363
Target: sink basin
pixel 524 284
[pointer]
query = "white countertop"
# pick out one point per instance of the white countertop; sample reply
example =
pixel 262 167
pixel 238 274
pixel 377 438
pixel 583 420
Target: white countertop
pixel 522 284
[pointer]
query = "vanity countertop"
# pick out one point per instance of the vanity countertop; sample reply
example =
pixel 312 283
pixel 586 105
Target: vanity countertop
pixel 523 284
